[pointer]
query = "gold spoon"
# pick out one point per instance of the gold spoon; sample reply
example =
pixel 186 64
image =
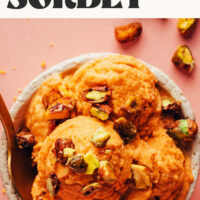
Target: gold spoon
pixel 19 161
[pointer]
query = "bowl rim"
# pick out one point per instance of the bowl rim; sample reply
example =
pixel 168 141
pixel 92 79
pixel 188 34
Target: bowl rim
pixel 164 80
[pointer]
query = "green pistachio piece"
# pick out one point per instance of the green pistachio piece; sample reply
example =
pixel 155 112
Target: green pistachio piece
pixel 100 137
pixel 77 163
pixel 50 187
pixel 99 113
pixel 106 171
pixel 68 152
pixel 92 163
pixel 96 96
pixel 141 176
pixel 166 103
pixel 89 189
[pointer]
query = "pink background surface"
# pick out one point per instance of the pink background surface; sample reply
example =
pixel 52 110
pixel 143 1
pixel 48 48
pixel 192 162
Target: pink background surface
pixel 25 44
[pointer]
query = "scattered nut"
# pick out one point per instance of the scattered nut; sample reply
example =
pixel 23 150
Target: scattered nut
pixel 68 152
pixel 3 72
pixel 128 32
pixel 106 172
pixel 77 163
pixel 101 111
pixel 60 109
pixel 169 105
pixel 183 59
pixel 25 139
pixel 60 145
pixel 98 94
pixel 100 137
pixel 125 128
pixel 133 105
pixel 89 189
pixel 50 98
pixel 183 129
pixel 53 184
pixel 141 176
pixel 43 65
pixel 92 163
pixel 186 26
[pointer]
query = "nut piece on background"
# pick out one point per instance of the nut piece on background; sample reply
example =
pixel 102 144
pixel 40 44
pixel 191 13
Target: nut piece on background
pixel 128 32
pixel 141 176
pixel 186 26
pixel 92 163
pixel 53 184
pixel 25 139
pixel 183 59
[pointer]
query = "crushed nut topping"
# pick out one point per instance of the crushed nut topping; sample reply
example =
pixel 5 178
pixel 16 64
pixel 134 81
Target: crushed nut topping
pixel 25 139
pixel 60 145
pixel 101 111
pixel 169 105
pixel 100 137
pixel 92 163
pixel 141 176
pixel 53 184
pixel 60 109
pixel 89 189
pixel 128 32
pixel 99 94
pixel 183 129
pixel 126 129
pixel 77 163
pixel 183 59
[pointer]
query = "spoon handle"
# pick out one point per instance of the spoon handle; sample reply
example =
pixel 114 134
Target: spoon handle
pixel 9 130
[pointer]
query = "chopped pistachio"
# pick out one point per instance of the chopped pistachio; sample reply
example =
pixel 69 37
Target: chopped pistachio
pixel 53 184
pixel 89 189
pixel 184 128
pixel 50 187
pixel 77 163
pixel 92 163
pixel 125 128
pixel 186 26
pixel 100 137
pixel 171 105
pixel 96 96
pixel 183 59
pixel 100 111
pixel 68 152
pixel 141 176
pixel 106 172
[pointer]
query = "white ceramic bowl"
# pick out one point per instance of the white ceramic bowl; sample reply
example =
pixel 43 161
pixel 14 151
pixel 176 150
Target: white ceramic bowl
pixel 18 109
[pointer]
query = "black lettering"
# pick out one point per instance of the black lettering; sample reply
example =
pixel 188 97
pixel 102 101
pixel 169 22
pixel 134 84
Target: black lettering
pixel 107 4
pixel 58 4
pixel 83 4
pixel 37 4
pixel 70 4
pixel 134 4
pixel 22 4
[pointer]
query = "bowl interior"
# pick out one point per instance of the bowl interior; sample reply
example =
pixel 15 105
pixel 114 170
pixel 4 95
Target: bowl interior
pixel 18 109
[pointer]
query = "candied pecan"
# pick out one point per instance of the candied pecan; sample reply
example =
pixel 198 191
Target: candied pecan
pixel 77 163
pixel 89 189
pixel 53 184
pixel 97 94
pixel 183 129
pixel 60 145
pixel 50 97
pixel 60 109
pixel 128 32
pixel 183 59
pixel 125 128
pixel 25 139
pixel 101 111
